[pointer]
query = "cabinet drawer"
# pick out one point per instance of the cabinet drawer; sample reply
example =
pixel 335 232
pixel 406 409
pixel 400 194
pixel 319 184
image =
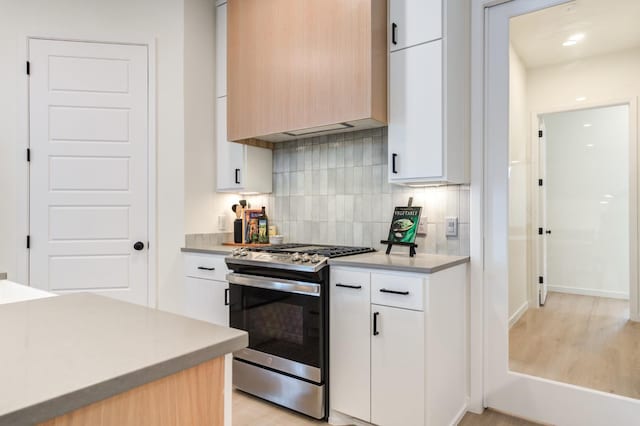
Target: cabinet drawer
pixel 402 291
pixel 207 266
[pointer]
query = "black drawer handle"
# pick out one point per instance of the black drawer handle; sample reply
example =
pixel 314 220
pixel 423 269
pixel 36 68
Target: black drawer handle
pixel 393 163
pixel 394 33
pixel 226 297
pixel 204 268
pixel 349 286
pixel 237 176
pixel 384 290
pixel 375 323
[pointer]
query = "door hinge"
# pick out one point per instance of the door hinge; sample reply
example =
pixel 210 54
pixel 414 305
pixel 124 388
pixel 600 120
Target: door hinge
pixel 540 182
pixel 539 133
pixel 539 231
pixel 28 68
pixel 540 280
pixel 28 154
pixel 28 241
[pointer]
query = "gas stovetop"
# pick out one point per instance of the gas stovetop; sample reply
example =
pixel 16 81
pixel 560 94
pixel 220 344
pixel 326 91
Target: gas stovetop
pixel 298 257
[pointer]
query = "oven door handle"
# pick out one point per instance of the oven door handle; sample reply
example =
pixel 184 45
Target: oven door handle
pixel 287 286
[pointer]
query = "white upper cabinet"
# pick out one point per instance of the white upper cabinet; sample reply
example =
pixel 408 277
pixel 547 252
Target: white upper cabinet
pixel 221 50
pixel 415 111
pixel 429 92
pixel 240 168
pixel 414 22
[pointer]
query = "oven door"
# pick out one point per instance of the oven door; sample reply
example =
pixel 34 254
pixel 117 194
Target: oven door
pixel 284 319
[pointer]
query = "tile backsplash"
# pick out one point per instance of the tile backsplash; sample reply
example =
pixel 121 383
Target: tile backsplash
pixel 333 190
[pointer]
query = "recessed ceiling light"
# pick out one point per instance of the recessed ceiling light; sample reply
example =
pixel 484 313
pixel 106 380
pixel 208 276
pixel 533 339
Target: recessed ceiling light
pixel 608 196
pixel 569 43
pixel 604 202
pixel 589 145
pixel 515 162
pixel 576 37
pixel 588 124
pixel 581 98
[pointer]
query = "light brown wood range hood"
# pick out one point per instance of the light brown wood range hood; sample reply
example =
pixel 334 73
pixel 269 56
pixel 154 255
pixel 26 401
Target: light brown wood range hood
pixel 305 68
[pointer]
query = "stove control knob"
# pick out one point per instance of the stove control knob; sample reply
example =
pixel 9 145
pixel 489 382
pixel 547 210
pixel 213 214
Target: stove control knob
pixel 315 258
pixel 243 252
pixel 305 257
pixel 295 257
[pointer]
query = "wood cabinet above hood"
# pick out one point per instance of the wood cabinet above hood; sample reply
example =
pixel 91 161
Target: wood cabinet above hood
pixel 300 68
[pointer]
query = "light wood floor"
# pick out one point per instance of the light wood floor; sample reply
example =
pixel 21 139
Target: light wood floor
pixel 251 411
pixel 581 340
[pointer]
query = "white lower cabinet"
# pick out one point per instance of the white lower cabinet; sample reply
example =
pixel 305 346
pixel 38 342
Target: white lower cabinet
pixel 349 330
pixel 207 300
pixel 398 347
pixel 397 367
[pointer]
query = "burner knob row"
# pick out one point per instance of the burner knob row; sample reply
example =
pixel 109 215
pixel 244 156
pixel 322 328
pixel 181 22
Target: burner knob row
pixel 239 252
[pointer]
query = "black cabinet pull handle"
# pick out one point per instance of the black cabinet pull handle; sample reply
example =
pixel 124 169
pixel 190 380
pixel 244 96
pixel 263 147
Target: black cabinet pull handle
pixel 394 33
pixel 393 163
pixel 237 176
pixel 384 290
pixel 548 231
pixel 349 286
pixel 226 297
pixel 375 323
pixel 204 268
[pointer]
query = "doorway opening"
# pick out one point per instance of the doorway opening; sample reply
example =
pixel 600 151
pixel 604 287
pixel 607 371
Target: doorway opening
pixel 573 199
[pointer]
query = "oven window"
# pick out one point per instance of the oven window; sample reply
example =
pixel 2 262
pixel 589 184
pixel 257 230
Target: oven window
pixel 279 323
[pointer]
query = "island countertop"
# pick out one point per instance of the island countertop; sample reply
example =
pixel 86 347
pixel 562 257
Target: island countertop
pixel 62 353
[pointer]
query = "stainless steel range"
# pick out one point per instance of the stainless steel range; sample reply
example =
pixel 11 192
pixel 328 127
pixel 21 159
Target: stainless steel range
pixel 279 295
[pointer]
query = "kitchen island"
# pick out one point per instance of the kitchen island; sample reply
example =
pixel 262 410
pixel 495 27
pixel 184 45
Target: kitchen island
pixel 87 359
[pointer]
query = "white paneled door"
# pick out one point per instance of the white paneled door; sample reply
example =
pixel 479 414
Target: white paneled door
pixel 89 168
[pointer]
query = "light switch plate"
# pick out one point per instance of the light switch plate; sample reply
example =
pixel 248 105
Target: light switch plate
pixel 422 227
pixel 451 224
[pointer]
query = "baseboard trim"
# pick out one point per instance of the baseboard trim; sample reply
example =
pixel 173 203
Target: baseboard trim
pixel 458 418
pixel 589 292
pixel 518 313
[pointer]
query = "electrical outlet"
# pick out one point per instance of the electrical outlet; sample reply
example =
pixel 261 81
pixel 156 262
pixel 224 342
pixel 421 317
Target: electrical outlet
pixel 422 227
pixel 451 224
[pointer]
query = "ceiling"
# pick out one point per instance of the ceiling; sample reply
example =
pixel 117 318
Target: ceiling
pixel 607 25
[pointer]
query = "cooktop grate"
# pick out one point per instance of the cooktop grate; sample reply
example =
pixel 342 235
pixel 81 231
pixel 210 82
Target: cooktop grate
pixel 322 250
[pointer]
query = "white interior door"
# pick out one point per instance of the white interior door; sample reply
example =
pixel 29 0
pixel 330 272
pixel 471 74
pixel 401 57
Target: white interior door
pixel 89 168
pixel 526 396
pixel 543 278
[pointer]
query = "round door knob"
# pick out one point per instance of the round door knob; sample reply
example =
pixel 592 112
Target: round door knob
pixel 139 245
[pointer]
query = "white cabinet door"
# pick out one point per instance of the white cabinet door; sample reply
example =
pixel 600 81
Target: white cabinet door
pixel 415 113
pixel 397 367
pixel 350 344
pixel 230 159
pixel 221 51
pixel 206 300
pixel 413 22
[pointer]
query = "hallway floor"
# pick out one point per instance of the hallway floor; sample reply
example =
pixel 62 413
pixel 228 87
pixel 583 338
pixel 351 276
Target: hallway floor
pixel 582 340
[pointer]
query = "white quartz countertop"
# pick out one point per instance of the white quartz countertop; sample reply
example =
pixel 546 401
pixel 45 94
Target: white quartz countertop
pixel 62 353
pixel 208 249
pixel 11 292
pixel 420 263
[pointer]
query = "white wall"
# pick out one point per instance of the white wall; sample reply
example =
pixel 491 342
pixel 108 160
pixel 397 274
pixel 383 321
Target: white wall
pixel 601 80
pixel 114 20
pixel 519 178
pixel 202 204
pixel 587 202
